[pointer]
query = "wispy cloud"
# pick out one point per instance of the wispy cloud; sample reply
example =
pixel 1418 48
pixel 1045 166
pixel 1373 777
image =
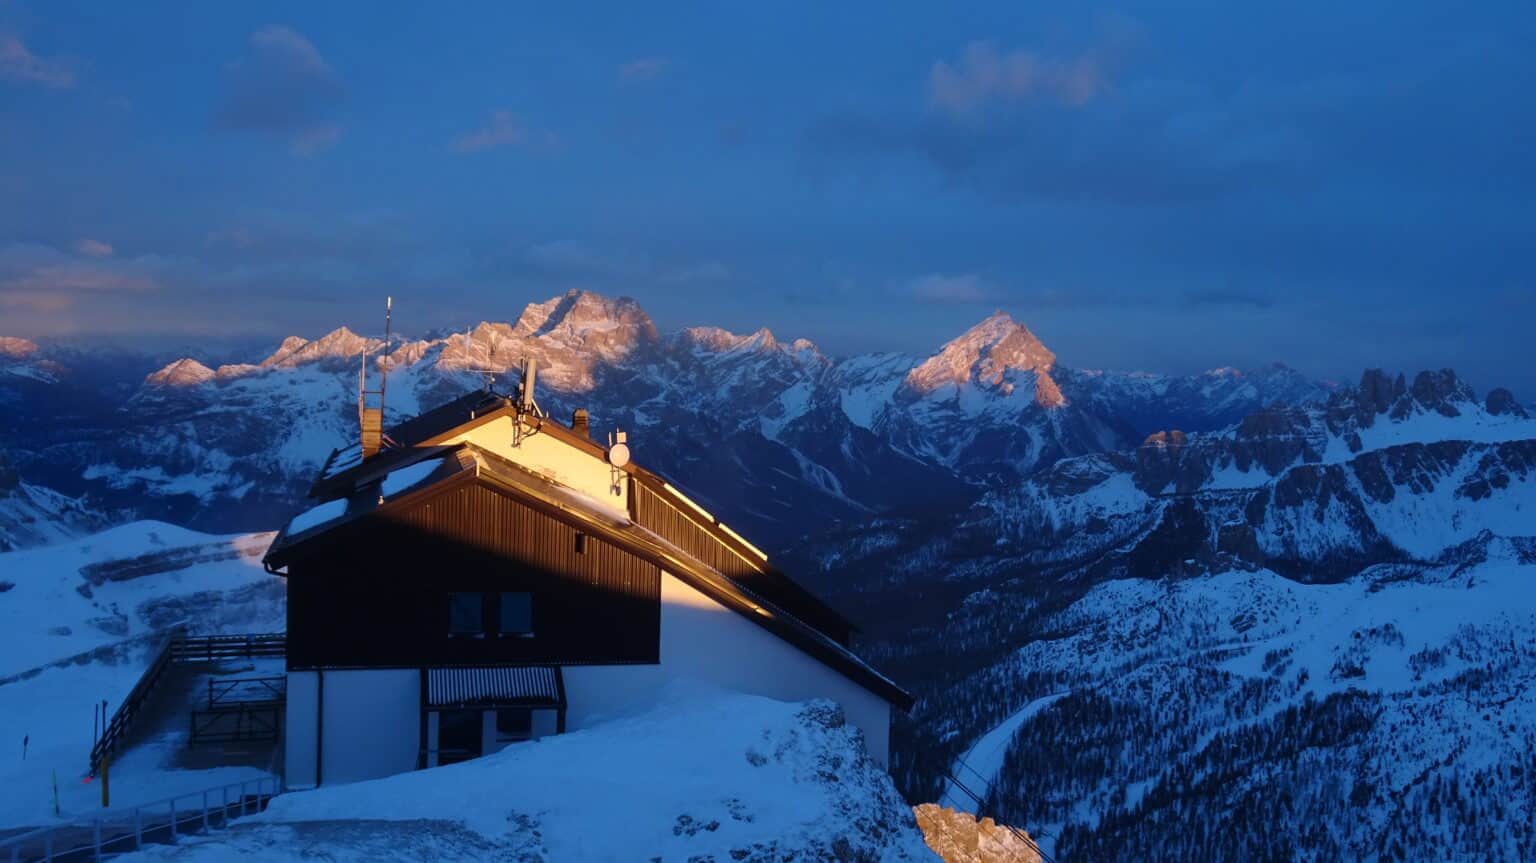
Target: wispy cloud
pixel 942 289
pixel 983 76
pixel 59 287
pixel 93 248
pixel 504 129
pixel 643 69
pixel 283 86
pixel 19 65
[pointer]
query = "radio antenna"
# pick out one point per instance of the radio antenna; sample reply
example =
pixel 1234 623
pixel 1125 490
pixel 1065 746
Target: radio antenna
pixel 488 371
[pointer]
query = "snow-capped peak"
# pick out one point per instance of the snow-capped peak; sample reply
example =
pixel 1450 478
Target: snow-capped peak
pixel 340 342
pixel 985 355
pixel 575 315
pixel 185 372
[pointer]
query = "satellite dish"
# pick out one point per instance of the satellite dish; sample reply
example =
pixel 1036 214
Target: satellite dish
pixel 618 454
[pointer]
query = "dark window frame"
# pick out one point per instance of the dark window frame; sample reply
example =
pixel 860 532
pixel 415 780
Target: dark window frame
pixel 501 615
pixel 479 631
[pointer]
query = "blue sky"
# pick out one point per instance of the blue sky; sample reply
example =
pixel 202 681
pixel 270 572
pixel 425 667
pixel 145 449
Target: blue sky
pixel 1164 186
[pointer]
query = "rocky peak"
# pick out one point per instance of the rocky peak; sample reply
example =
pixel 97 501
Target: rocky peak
pixel 718 340
pixel 185 372
pixel 338 343
pixel 581 316
pixel 1378 391
pixel 17 349
pixel 1441 392
pixel 1501 402
pixel 985 355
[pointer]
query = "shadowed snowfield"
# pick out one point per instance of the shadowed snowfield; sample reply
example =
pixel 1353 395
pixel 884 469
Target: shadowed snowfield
pixel 704 774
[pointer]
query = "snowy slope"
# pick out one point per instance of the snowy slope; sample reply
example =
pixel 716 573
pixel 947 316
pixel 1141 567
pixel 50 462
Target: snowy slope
pixel 705 775
pixel 77 624
pixel 1321 615
pixel 1399 688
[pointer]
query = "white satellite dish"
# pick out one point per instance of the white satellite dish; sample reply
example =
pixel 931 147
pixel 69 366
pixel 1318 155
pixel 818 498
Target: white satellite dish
pixel 618 454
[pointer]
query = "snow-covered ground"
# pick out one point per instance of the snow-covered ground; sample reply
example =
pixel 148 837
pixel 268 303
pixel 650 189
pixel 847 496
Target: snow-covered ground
pixel 703 775
pixel 78 622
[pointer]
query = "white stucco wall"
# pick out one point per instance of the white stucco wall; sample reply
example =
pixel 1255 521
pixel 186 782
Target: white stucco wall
pixel 703 640
pixel 299 730
pixel 560 461
pixel 372 725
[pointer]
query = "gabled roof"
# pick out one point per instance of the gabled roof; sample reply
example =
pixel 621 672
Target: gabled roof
pixel 342 467
pixel 448 468
pixel 346 471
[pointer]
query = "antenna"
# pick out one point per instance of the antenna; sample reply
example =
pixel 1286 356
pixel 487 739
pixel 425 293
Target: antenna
pixel 526 406
pixel 488 371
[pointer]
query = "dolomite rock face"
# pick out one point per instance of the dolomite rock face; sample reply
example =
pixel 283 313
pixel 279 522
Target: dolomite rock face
pixel 957 837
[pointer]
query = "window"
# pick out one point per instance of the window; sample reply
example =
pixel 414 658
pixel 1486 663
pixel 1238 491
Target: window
pixel 466 615
pixel 514 723
pixel 516 619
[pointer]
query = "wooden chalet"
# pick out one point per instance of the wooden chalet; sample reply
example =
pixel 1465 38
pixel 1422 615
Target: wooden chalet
pixel 489 575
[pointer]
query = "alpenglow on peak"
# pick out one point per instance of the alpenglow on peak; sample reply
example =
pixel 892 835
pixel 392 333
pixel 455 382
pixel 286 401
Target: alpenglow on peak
pixel 983 354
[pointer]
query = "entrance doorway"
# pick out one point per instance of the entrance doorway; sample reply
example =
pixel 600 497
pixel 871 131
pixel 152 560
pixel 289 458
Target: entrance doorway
pixel 459 736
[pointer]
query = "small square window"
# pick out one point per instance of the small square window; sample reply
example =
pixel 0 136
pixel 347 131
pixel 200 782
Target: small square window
pixel 514 723
pixel 516 619
pixel 466 615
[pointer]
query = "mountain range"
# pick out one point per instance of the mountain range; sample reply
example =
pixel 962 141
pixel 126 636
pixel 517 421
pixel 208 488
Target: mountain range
pixel 1231 615
pixel 782 436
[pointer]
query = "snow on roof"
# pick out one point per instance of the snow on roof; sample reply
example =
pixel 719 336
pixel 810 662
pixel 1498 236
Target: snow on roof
pixel 399 480
pixel 317 516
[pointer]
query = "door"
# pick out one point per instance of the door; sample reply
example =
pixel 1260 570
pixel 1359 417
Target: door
pixel 459 735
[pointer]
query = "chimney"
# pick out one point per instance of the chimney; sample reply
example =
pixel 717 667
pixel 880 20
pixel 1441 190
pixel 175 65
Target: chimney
pixel 373 430
pixel 581 423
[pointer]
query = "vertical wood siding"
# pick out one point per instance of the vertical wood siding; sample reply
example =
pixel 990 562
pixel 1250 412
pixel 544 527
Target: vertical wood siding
pixel 654 511
pixel 379 597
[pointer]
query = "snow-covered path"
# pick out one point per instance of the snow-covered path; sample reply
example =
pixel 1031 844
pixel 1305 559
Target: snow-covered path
pixel 978 766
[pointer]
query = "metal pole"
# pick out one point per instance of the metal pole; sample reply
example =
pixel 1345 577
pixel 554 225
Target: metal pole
pixel 242 799
pixel 138 828
pixel 205 811
pixel 173 819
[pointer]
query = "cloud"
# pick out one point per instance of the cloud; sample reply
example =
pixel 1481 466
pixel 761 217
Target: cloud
pixel 93 248
pixel 643 69
pixel 282 86
pixel 1152 142
pixel 943 289
pixel 314 140
pixel 19 65
pixel 49 288
pixel 982 77
pixel 504 129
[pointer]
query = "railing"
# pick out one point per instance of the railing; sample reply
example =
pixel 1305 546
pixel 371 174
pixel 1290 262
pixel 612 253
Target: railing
pixel 207 647
pixel 245 721
pixel 114 732
pixel 179 647
pixel 226 691
pixel 161 822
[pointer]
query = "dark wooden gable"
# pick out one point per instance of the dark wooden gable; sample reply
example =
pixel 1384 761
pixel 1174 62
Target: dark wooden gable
pixel 653 508
pixel 377 595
